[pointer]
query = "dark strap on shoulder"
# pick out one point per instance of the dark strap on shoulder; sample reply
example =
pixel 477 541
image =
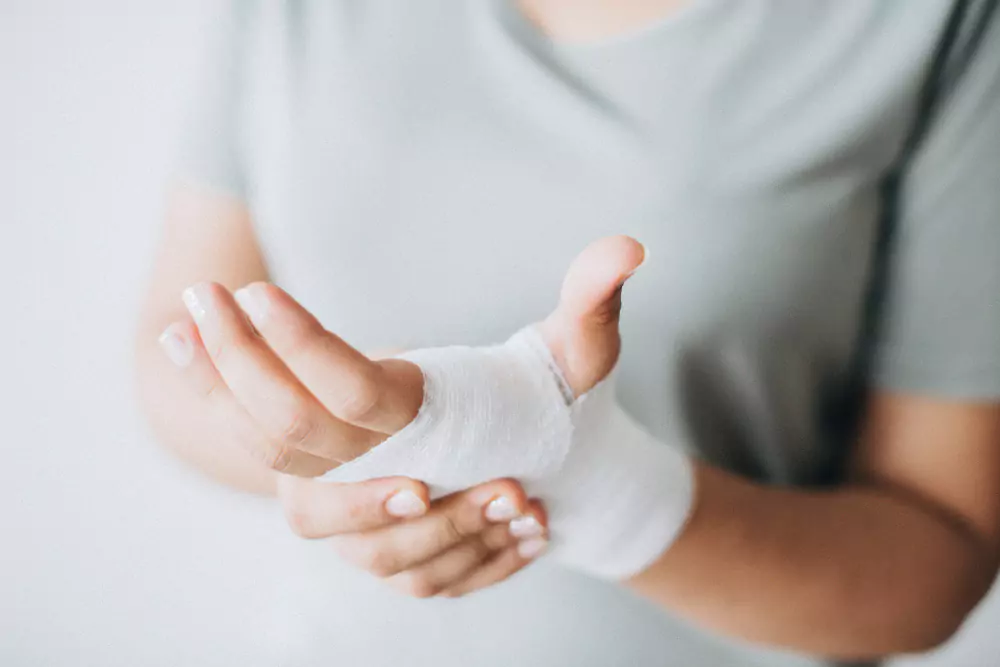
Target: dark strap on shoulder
pixel 960 38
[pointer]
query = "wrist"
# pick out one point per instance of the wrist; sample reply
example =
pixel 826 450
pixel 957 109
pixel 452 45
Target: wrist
pixel 622 498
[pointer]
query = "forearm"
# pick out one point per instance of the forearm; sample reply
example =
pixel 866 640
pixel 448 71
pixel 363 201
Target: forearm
pixel 199 222
pixel 184 424
pixel 855 572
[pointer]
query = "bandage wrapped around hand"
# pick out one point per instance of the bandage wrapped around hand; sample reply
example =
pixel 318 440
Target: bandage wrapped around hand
pixel 616 498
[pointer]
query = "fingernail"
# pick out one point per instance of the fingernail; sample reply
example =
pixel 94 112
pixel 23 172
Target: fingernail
pixel 531 548
pixel 500 509
pixel 405 504
pixel 253 301
pixel 176 346
pixel 525 527
pixel 645 256
pixel 197 301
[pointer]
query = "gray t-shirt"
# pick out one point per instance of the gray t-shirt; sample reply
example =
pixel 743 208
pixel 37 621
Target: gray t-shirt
pixel 421 173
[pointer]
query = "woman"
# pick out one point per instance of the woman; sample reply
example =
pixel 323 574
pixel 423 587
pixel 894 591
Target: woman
pixel 815 185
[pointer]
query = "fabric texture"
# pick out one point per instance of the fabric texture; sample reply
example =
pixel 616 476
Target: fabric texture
pixel 616 499
pixel 488 412
pixel 421 174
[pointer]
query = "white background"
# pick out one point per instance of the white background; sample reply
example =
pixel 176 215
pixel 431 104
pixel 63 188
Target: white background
pixel 110 553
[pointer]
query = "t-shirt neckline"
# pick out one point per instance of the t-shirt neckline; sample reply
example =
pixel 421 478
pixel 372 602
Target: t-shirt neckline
pixel 513 19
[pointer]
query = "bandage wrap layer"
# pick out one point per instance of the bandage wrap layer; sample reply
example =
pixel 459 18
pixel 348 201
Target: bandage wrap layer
pixel 488 412
pixel 615 497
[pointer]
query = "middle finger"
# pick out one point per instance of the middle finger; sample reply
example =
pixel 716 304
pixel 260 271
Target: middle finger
pixel 383 396
pixel 451 520
pixel 285 410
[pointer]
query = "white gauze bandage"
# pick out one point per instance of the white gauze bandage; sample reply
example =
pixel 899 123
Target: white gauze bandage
pixel 616 498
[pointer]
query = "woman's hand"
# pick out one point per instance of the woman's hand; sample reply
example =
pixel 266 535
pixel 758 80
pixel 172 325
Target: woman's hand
pixel 303 401
pixel 389 527
pixel 582 332
pixel 308 425
pixel 466 541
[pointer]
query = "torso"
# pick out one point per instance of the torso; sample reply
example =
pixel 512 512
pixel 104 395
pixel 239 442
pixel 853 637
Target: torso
pixel 422 173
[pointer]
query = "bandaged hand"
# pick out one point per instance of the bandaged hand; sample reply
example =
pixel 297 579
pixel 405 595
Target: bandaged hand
pixel 539 407
pixel 388 526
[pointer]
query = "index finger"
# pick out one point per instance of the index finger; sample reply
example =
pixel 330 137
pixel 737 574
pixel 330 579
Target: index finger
pixel 203 377
pixel 383 396
pixel 293 419
pixel 452 520
pixel 322 509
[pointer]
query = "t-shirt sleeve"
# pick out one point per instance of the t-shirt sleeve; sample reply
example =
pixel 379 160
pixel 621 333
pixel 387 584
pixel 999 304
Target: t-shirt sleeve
pixel 209 151
pixel 940 327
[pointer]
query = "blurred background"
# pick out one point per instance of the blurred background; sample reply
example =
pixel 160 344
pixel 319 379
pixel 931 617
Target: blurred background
pixel 110 552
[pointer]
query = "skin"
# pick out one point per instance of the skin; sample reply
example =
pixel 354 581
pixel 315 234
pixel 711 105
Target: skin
pixel 890 562
pixel 582 21
pixel 274 392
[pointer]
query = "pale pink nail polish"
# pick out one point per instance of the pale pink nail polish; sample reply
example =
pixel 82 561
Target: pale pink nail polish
pixel 500 509
pixel 531 548
pixel 526 527
pixel 176 346
pixel 253 301
pixel 405 505
pixel 196 301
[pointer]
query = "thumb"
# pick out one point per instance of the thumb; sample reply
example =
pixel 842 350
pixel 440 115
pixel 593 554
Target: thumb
pixel 582 332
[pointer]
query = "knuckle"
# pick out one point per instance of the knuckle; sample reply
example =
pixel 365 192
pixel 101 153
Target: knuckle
pixel 298 430
pixel 484 549
pixel 474 553
pixel 276 457
pixel 610 312
pixel 449 530
pixel 495 538
pixel 360 396
pixel 357 513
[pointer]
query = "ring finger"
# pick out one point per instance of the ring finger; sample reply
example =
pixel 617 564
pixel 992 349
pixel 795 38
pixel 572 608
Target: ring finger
pixel 450 522
pixel 433 576
pixel 505 563
pixel 184 347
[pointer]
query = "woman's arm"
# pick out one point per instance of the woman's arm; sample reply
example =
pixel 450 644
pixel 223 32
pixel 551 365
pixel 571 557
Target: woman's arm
pixel 468 540
pixel 891 563
pixel 207 236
